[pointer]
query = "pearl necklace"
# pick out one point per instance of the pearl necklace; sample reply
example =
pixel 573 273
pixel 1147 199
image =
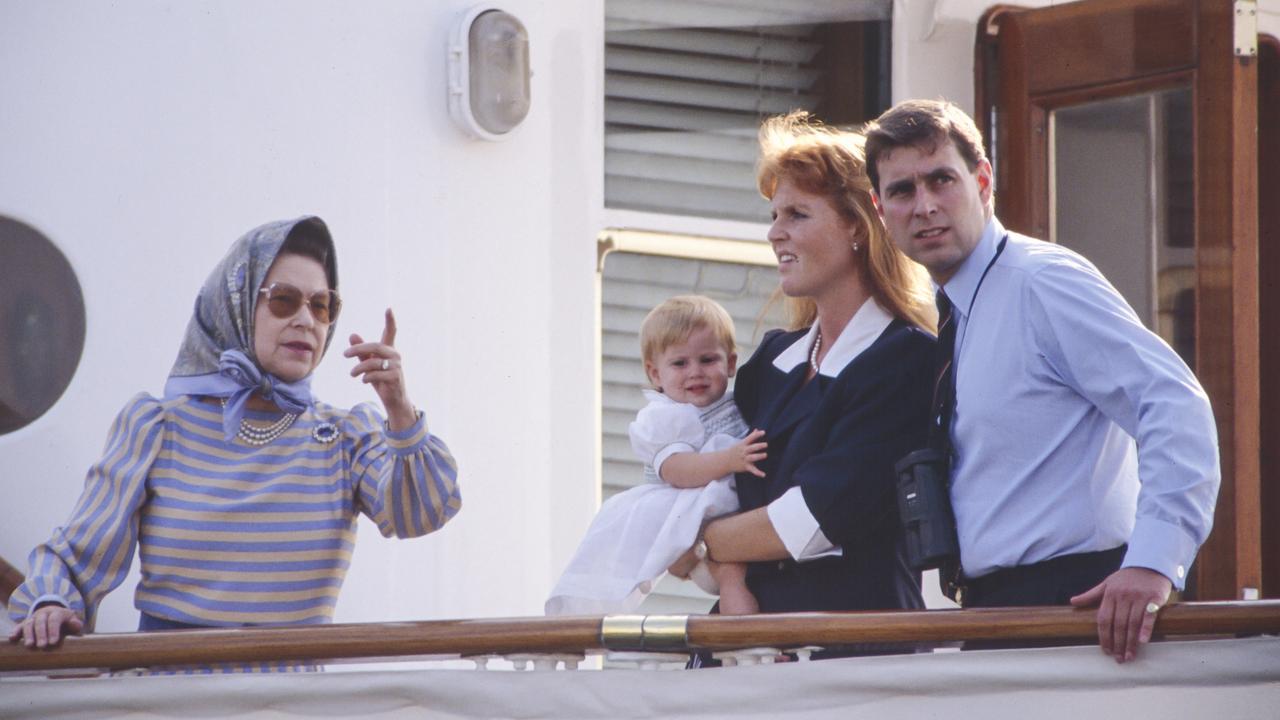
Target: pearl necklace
pixel 259 436
pixel 813 354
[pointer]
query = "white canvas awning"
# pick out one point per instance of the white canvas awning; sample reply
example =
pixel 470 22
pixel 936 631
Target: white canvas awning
pixel 1207 678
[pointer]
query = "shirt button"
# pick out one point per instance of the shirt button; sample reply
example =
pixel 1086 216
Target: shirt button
pixel 782 565
pixel 1182 572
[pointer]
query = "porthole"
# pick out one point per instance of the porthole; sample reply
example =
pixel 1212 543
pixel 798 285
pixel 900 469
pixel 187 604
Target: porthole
pixel 42 324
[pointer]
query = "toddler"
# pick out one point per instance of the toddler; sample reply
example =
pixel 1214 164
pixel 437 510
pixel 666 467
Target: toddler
pixel 692 441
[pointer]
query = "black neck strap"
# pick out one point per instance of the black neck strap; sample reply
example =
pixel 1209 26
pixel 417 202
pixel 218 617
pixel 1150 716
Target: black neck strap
pixel 999 249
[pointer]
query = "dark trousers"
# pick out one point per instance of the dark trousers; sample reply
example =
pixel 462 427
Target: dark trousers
pixel 1049 582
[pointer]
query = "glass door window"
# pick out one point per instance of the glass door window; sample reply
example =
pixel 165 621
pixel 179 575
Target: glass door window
pixel 1121 194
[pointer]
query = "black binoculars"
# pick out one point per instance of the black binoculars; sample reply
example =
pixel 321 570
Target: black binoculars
pixel 924 503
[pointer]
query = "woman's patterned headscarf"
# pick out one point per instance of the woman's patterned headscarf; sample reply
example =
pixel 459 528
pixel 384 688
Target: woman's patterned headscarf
pixel 217 357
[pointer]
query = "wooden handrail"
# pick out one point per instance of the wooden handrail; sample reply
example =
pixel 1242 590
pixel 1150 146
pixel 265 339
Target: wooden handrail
pixel 574 635
pixel 10 578
pixel 935 626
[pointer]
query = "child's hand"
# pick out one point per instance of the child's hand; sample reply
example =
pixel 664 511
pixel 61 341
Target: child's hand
pixel 747 452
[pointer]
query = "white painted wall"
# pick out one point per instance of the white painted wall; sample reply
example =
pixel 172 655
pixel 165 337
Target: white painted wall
pixel 143 137
pixel 1269 17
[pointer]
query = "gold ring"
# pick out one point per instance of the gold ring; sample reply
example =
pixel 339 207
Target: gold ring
pixel 1153 608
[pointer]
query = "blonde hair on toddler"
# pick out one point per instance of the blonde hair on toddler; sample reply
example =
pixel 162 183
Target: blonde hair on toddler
pixel 674 320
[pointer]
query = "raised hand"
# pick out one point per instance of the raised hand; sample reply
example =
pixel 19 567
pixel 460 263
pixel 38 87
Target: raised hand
pixel 380 365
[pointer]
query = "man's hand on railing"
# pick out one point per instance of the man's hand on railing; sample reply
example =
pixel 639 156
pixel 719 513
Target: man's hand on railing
pixel 44 627
pixel 1128 601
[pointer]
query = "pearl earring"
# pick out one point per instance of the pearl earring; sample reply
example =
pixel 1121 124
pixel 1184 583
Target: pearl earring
pixel 855 246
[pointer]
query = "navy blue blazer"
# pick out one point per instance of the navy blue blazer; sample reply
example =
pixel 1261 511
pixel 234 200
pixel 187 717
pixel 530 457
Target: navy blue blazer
pixel 837 439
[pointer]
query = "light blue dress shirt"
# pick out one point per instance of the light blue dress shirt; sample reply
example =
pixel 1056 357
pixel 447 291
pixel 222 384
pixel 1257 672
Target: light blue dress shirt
pixel 1056 379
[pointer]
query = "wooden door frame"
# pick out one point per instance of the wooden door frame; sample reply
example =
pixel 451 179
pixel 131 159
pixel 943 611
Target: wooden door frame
pixel 1049 57
pixel 1269 301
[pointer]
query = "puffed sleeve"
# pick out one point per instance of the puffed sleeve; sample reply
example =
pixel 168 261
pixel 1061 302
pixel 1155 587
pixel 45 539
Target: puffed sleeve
pixel 406 481
pixel 90 555
pixel 849 484
pixel 663 428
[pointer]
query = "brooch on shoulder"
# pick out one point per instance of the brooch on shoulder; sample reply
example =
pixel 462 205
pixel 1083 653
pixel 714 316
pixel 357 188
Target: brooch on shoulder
pixel 325 432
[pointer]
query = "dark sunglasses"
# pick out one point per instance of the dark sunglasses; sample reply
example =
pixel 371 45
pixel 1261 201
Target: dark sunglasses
pixel 284 301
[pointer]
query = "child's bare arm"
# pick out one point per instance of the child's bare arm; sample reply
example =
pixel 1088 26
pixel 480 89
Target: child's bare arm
pixel 693 470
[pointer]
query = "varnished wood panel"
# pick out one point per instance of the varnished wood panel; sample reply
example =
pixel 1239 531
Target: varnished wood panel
pixel 1269 302
pixel 1226 296
pixel 1010 132
pixel 997 84
pixel 1091 43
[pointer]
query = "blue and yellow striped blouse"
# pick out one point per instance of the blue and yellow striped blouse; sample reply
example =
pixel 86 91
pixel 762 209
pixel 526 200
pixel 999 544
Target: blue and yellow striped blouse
pixel 234 534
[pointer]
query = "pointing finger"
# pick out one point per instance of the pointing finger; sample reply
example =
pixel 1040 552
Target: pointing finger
pixel 389 331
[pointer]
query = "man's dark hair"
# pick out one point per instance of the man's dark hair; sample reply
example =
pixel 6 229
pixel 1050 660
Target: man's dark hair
pixel 922 124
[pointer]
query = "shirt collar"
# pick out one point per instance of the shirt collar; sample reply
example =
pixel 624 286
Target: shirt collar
pixel 655 396
pixel 863 328
pixel 961 287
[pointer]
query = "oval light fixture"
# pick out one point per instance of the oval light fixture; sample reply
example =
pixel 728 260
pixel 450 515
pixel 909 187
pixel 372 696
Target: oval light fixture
pixel 489 72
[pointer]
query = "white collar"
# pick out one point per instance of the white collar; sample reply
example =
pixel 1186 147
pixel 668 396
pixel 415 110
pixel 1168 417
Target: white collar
pixel 654 396
pixel 963 285
pixel 864 327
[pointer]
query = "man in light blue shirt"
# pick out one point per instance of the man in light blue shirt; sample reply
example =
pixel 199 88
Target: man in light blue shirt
pixel 1055 379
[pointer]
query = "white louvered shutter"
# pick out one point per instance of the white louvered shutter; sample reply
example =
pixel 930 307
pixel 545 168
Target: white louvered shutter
pixel 687 83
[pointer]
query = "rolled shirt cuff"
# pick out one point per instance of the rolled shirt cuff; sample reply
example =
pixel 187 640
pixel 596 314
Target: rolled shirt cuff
pixel 798 528
pixel 1162 547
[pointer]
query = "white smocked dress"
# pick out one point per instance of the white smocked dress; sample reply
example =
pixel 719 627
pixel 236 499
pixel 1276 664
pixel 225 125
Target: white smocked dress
pixel 638 533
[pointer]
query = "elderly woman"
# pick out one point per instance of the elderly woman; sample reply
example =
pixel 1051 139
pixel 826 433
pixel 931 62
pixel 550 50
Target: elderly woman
pixel 240 488
pixel 841 396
